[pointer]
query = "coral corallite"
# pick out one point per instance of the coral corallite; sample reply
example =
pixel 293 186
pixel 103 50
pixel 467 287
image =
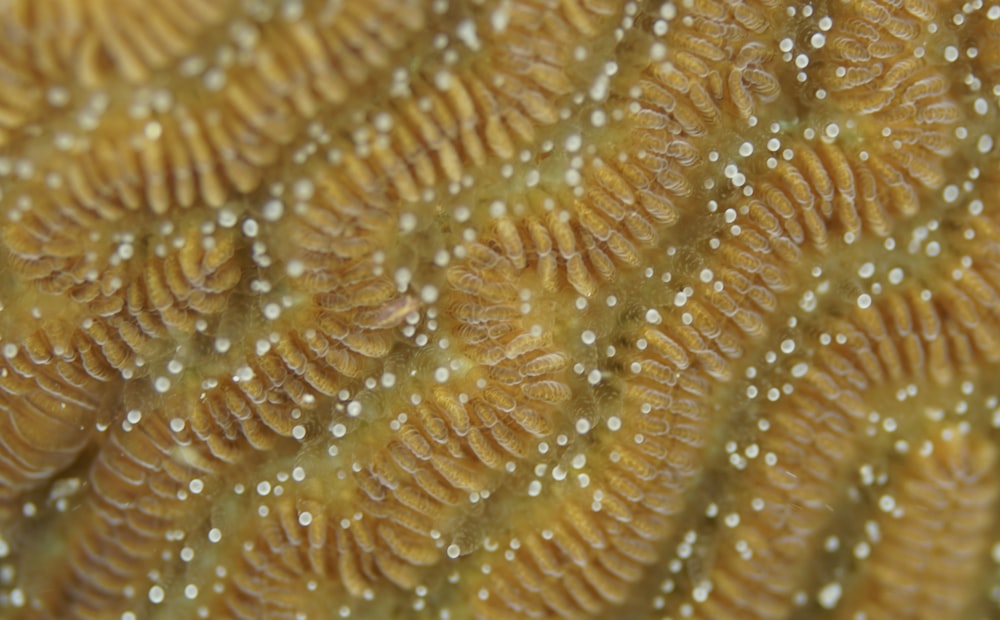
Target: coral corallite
pixel 499 309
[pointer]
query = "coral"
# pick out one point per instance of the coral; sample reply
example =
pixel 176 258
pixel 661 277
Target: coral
pixel 554 309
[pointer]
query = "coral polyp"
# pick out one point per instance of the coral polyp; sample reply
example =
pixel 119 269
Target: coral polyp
pixel 499 309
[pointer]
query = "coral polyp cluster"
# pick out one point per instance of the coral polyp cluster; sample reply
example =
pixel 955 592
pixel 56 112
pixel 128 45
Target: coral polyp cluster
pixel 554 309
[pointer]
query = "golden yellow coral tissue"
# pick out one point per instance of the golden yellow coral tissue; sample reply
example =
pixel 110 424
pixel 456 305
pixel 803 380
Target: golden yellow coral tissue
pixel 499 309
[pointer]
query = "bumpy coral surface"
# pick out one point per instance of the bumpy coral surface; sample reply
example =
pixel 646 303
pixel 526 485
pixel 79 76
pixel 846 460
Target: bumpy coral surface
pixel 499 309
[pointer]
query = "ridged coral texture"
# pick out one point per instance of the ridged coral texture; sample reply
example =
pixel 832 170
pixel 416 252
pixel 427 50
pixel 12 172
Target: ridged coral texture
pixel 500 309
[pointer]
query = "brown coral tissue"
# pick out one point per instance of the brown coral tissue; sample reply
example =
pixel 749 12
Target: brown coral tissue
pixel 500 309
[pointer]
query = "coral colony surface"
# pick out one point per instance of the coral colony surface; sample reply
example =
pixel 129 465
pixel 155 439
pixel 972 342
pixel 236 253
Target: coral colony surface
pixel 499 309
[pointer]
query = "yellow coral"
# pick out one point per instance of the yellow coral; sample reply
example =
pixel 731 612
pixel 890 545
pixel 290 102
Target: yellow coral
pixel 498 309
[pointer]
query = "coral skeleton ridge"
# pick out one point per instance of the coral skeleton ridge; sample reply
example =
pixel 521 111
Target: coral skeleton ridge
pixel 500 309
